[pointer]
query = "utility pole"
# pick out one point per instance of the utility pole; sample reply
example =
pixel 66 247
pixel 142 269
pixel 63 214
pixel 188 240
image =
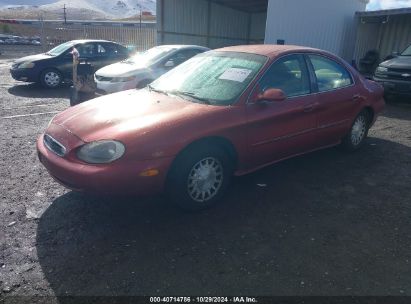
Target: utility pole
pixel 140 14
pixel 65 14
pixel 42 36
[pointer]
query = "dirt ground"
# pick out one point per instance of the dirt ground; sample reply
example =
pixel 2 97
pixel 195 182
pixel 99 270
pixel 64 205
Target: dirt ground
pixel 327 223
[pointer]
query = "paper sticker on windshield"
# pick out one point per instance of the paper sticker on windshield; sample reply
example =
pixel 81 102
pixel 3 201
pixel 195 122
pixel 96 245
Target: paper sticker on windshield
pixel 236 74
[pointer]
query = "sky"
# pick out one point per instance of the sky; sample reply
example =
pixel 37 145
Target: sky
pixel 29 2
pixel 387 4
pixel 373 5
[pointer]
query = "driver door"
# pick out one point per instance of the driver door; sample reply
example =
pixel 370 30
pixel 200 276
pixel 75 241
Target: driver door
pixel 280 129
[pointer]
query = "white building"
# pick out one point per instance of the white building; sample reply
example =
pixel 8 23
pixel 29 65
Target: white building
pixel 325 24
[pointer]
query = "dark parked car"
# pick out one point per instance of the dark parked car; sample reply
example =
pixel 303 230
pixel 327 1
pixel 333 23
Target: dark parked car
pixel 225 112
pixel 395 74
pixel 52 68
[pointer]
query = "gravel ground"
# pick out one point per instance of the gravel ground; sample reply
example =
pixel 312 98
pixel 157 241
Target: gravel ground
pixel 327 223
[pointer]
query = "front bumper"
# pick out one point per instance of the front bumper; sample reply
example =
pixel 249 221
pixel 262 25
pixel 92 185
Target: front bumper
pixel 28 75
pixel 121 177
pixel 107 87
pixel 392 86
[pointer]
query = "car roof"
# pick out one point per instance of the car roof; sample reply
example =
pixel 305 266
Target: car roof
pixel 269 50
pixel 90 40
pixel 184 46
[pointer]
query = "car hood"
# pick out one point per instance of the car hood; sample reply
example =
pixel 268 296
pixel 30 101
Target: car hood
pixel 121 69
pixel 129 113
pixel 33 58
pixel 401 62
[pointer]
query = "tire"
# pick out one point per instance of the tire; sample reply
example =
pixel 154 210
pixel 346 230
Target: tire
pixel 191 191
pixel 51 78
pixel 358 132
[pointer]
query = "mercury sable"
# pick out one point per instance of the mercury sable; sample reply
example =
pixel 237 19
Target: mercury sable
pixel 222 113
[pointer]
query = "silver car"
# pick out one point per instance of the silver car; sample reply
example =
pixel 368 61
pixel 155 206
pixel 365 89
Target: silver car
pixel 141 69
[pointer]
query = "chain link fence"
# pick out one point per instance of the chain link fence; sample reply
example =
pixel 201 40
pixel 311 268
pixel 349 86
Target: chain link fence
pixel 138 36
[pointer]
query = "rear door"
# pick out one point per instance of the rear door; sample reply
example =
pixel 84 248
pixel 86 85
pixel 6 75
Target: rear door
pixel 337 96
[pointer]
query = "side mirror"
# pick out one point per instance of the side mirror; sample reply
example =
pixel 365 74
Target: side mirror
pixel 395 54
pixel 271 95
pixel 169 64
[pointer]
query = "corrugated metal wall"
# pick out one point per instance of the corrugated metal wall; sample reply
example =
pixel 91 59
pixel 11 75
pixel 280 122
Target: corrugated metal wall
pixel 324 24
pixel 258 23
pixel 392 36
pixel 206 23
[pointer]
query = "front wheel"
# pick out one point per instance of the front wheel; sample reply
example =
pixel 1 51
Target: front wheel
pixel 199 177
pixel 358 132
pixel 51 78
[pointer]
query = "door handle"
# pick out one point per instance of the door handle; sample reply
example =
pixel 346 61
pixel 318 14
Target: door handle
pixel 356 97
pixel 311 107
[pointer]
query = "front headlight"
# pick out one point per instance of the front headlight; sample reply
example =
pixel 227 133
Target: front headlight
pixel 101 152
pixel 26 65
pixel 123 79
pixel 382 69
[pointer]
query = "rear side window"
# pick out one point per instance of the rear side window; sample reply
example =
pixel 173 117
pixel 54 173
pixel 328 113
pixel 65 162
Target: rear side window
pixel 330 74
pixel 114 50
pixel 288 74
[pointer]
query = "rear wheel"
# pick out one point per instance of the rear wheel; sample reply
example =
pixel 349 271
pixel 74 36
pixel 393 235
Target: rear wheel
pixel 51 78
pixel 358 132
pixel 199 177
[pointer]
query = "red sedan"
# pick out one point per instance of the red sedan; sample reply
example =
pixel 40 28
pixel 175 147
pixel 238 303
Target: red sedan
pixel 225 112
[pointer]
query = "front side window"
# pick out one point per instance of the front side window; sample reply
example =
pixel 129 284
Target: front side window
pixel 217 78
pixel 86 50
pixel 289 74
pixel 183 55
pixel 330 74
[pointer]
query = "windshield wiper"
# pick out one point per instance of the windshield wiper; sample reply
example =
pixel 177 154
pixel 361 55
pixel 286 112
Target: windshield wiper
pixel 193 95
pixel 152 89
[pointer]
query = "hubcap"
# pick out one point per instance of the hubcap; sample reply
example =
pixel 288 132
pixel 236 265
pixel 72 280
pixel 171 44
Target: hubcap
pixel 358 130
pixel 205 179
pixel 52 79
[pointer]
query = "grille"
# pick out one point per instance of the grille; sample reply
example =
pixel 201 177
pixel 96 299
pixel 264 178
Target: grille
pixel 102 78
pixel 54 146
pixel 394 73
pixel 402 71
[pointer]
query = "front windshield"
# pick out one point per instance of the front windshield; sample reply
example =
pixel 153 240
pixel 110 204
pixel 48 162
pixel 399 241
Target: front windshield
pixel 60 49
pixel 216 78
pixel 151 55
pixel 407 51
